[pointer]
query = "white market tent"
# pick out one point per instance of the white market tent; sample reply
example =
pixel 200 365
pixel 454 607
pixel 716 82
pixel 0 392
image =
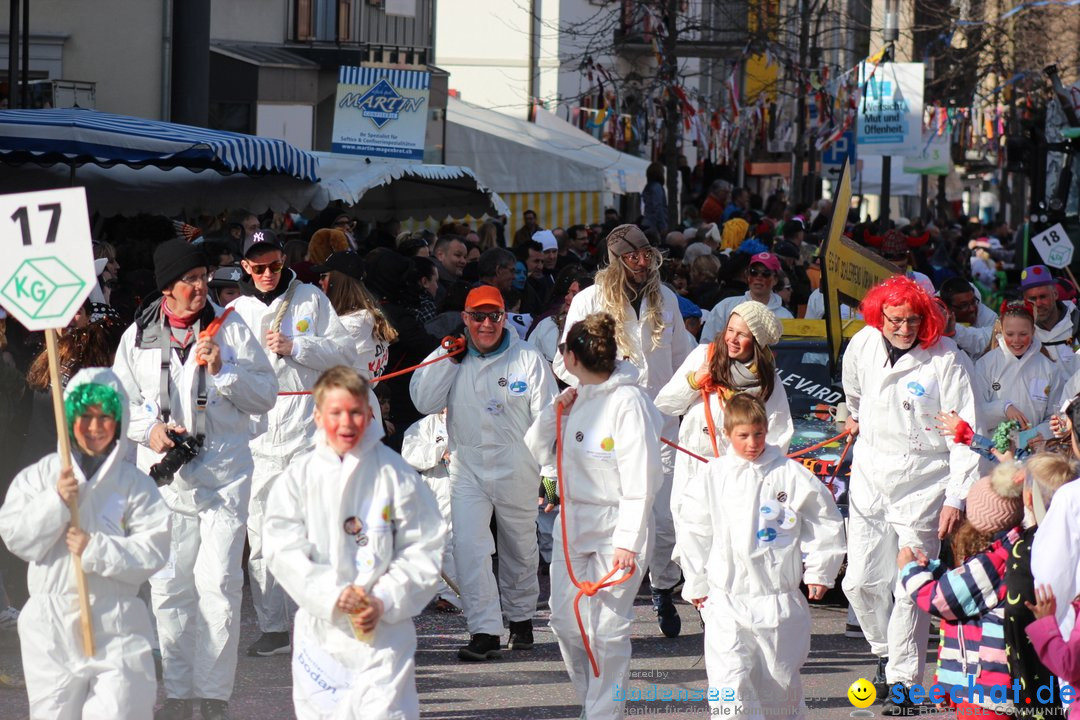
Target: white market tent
pixel 563 174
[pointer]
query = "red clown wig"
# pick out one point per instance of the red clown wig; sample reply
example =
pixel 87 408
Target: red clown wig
pixel 900 290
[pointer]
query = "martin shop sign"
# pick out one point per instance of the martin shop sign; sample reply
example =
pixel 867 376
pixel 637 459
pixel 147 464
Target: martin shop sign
pixel 891 108
pixel 381 112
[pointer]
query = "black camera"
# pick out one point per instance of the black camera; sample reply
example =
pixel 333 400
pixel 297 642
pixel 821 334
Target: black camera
pixel 185 448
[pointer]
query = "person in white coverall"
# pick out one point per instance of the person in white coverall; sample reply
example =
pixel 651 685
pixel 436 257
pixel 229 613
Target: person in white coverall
pixel 1056 321
pixel 610 471
pixel 196 596
pixel 123 537
pixel 427 448
pixel 650 334
pixel 1017 379
pixel 908 483
pixel 737 361
pixel 356 538
pixel 772 524
pixel 970 322
pixel 302 336
pixel 492 394
pixel 762 274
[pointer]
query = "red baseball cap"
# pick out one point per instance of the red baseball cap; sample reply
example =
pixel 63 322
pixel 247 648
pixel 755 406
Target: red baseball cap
pixel 484 296
pixel 768 260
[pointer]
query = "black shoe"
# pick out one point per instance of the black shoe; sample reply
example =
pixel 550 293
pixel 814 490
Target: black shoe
pixel 214 709
pixel 272 643
pixel 881 684
pixel 521 635
pixel 176 709
pixel 904 708
pixel 667 616
pixel 481 647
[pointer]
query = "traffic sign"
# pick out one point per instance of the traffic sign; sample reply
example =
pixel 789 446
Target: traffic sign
pixel 834 156
pixel 1054 246
pixel 48 256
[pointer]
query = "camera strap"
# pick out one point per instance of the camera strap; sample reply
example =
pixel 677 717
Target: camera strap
pixel 164 397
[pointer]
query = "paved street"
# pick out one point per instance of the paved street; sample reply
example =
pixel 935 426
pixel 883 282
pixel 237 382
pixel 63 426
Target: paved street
pixel 526 685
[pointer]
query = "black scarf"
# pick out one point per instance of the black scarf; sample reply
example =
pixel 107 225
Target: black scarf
pixel 896 353
pixel 247 287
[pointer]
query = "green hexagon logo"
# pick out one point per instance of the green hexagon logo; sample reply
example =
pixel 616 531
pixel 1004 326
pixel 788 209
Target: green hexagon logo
pixel 43 288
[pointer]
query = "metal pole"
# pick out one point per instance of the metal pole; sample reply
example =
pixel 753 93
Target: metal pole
pixel 13 54
pixel 25 53
pixel 924 196
pixel 886 182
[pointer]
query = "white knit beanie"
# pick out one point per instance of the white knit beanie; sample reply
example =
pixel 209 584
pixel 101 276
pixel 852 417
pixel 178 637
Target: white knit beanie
pixel 761 321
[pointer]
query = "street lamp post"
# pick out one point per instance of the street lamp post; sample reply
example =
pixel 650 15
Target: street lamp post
pixel 890 34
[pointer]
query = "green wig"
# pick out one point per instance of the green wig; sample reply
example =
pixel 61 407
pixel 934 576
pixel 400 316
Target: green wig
pixel 87 395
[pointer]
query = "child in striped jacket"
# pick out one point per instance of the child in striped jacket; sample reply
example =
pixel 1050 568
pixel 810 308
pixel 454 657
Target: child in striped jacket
pixel 969 599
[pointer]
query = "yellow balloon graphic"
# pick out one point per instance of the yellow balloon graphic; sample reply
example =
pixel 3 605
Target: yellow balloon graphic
pixel 862 693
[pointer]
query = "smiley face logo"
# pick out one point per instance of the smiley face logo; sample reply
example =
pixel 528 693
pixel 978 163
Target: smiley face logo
pixel 862 693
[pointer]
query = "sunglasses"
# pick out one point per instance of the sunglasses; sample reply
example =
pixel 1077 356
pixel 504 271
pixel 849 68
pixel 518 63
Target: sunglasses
pixel 260 268
pixel 760 272
pixel 479 317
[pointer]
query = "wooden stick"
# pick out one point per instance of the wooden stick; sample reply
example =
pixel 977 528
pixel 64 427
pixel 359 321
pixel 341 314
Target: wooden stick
pixel 73 505
pixel 1072 277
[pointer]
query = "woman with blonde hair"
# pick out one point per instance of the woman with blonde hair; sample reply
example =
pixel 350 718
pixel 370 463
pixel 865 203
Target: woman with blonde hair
pixel 489 236
pixel 650 334
pixel 341 278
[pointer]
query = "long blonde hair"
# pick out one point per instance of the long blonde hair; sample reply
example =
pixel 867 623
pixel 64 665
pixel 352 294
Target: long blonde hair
pixel 612 283
pixel 347 295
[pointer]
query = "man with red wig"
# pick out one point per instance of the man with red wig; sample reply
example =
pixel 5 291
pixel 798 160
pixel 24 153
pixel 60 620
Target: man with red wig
pixel 908 483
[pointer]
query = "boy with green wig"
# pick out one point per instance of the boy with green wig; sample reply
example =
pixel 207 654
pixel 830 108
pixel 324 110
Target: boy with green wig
pixel 123 538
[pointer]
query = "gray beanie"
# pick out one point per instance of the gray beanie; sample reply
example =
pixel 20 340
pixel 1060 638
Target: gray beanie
pixel 625 239
pixel 762 322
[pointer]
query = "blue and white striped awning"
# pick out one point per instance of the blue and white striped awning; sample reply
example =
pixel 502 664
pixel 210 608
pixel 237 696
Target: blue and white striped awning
pixel 78 137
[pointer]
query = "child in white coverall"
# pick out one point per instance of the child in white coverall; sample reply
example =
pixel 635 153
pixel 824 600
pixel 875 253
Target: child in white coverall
pixel 356 538
pixel 611 470
pixel 123 538
pixel 773 524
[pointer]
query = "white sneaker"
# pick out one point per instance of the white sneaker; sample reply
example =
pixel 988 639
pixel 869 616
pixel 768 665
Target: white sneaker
pixel 9 618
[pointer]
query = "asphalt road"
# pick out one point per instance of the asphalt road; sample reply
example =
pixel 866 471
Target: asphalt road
pixel 533 684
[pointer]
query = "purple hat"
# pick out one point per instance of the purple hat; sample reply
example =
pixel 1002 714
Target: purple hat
pixel 1035 276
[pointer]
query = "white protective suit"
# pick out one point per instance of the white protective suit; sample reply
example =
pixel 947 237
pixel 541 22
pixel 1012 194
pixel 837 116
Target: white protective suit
pixel 196 596
pixel 715 320
pixel 128 523
pixel 975 339
pixel 395 557
pixel 1055 552
pixel 320 342
pixel 1060 339
pixel 611 470
pixel 688 491
pixel 545 338
pixel 902 472
pixel 772 524
pixel 372 353
pixel 491 400
pixel 1032 383
pixel 657 366
pixel 425 443
pixel 815 308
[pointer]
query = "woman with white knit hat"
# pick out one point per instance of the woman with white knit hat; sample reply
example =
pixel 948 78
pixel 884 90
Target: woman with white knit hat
pixel 738 360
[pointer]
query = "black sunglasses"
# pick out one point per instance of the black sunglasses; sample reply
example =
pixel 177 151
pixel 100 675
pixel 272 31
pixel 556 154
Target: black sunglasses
pixel 755 272
pixel 479 317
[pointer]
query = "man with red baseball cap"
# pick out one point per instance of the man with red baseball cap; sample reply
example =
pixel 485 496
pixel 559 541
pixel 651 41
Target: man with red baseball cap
pixel 492 394
pixel 761 276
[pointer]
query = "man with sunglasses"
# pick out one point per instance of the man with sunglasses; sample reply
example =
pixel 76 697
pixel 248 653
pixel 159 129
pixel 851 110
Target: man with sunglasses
pixel 762 274
pixel 303 337
pixel 908 482
pixel 969 321
pixel 492 393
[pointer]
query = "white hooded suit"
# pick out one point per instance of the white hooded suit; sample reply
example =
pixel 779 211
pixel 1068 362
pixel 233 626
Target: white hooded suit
pixel 128 523
pixel 611 469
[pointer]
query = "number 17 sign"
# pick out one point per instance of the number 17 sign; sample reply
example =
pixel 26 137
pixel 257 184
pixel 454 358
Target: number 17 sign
pixel 48 256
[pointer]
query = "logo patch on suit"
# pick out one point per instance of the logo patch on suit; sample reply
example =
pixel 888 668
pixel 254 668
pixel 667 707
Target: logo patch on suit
pixel 502 382
pixel 996 386
pixel 303 325
pixel 607 444
pixel 579 436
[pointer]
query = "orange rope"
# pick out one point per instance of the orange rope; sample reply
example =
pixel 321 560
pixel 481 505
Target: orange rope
pixel 832 480
pixel 684 450
pixel 584 587
pixel 453 346
pixel 821 444
pixel 709 421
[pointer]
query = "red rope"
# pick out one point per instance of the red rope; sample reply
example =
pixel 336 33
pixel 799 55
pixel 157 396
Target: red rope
pixel 452 345
pixel 584 587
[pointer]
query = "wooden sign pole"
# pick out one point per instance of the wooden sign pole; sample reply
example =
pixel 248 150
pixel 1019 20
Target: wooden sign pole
pixel 73 506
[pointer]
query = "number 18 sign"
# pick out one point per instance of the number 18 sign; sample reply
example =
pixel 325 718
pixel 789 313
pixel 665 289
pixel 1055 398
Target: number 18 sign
pixel 1054 246
pixel 48 267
